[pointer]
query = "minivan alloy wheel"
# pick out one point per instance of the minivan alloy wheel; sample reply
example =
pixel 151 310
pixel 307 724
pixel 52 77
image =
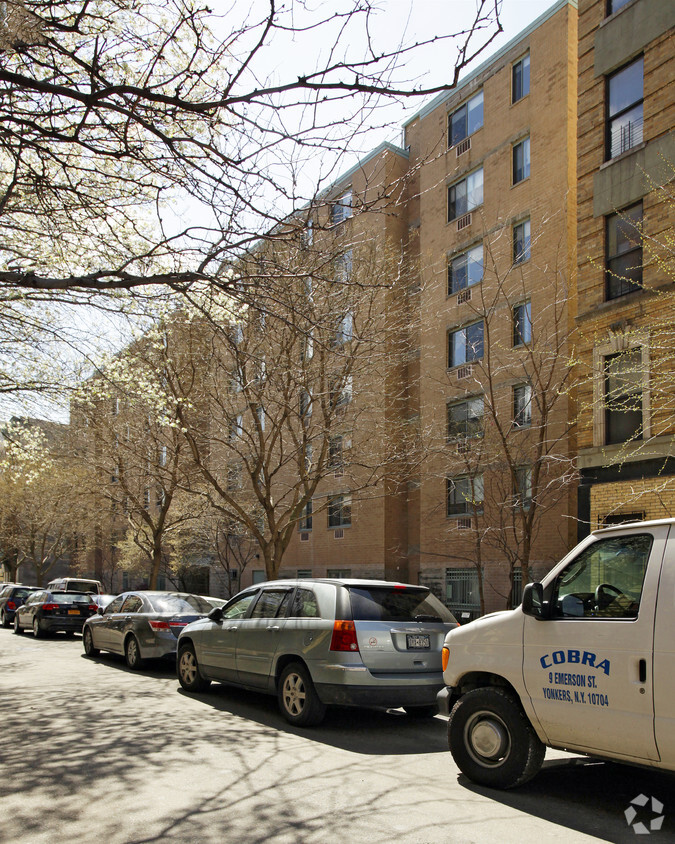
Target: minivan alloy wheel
pixel 298 700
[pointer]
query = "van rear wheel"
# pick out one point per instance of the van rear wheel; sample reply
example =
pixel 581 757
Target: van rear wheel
pixel 491 739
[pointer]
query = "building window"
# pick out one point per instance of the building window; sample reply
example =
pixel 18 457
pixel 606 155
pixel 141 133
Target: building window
pixel 343 268
pixel 521 242
pixel 465 419
pixel 233 477
pixel 236 428
pixel 464 495
pixel 335 452
pixel 305 522
pixel 344 331
pixel 522 488
pixel 465 195
pixel 615 5
pixel 461 589
pixel 338 573
pixel 465 344
pixel 305 405
pixel 465 120
pixel 339 511
pixel 341 209
pixel 623 396
pixel 521 161
pixel 624 109
pixel 522 324
pixel 623 243
pixel 465 270
pixel 303 574
pixel 522 405
pixel 517 590
pixel 520 79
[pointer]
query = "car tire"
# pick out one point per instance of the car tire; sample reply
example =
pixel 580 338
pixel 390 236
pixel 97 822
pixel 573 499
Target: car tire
pixel 17 628
pixel 298 700
pixel 132 654
pixel 188 670
pixel 492 740
pixel 4 621
pixel 428 711
pixel 88 643
pixel 36 629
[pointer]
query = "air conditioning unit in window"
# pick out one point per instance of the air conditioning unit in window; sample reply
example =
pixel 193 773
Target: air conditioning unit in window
pixel 339 533
pixel 304 536
pixel 464 523
pixel 464 296
pixel 464 371
pixel 463 146
pixel 463 222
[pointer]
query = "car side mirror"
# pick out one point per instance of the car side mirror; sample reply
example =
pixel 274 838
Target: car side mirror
pixel 100 610
pixel 216 614
pixel 533 600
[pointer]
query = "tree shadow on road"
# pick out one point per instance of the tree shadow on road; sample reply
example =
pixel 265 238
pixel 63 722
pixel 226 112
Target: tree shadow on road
pixel 591 796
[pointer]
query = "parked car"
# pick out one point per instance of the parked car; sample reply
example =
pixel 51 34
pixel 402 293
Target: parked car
pixel 102 601
pixel 318 642
pixel 49 612
pixel 142 625
pixel 75 584
pixel 11 597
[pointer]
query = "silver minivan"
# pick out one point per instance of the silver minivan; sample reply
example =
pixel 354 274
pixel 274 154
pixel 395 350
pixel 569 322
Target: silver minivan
pixel 313 643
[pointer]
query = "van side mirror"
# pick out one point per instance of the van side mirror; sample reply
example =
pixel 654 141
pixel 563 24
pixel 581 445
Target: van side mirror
pixel 533 600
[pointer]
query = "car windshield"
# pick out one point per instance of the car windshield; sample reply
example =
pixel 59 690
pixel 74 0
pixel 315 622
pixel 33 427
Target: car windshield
pixel 179 603
pixel 68 598
pixel 384 603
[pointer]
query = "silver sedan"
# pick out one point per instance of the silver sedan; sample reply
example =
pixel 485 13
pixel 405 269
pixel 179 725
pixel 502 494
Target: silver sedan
pixel 142 625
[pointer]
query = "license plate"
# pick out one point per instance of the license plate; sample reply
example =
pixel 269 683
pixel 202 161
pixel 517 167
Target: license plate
pixel 418 641
pixel 73 612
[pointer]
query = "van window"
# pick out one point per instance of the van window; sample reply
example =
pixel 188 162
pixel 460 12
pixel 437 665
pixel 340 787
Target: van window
pixel 605 580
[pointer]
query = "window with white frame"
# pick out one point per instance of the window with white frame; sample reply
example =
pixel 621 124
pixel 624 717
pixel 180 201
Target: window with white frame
pixel 341 209
pixel 464 495
pixel 522 405
pixel 305 402
pixel 341 391
pixel 339 511
pixel 520 79
pixel 465 419
pixel 522 324
pixel 465 344
pixel 465 120
pixel 336 452
pixel 465 195
pixel 625 91
pixel 521 161
pixel 521 242
pixel 465 269
pixel 236 428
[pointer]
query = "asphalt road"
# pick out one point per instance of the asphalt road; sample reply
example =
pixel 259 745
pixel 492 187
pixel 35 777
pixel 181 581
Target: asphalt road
pixel 91 752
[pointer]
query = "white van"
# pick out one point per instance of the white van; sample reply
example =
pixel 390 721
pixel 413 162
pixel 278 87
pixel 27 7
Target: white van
pixel 585 664
pixel 75 584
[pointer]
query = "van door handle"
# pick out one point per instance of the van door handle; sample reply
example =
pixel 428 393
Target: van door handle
pixel 642 670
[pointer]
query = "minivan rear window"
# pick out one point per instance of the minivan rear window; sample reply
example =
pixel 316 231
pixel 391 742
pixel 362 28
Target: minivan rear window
pixel 384 603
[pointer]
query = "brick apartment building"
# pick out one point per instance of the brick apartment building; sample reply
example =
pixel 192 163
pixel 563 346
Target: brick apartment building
pixel 625 278
pixel 520 301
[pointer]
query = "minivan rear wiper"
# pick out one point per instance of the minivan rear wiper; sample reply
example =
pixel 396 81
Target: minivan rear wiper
pixel 427 618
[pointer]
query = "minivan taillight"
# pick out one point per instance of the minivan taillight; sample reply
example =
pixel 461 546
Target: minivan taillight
pixel 344 636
